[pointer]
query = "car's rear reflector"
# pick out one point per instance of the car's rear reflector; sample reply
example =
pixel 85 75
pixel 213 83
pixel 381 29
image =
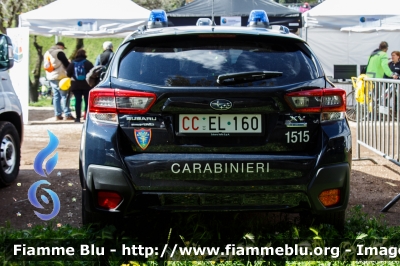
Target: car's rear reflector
pixel 108 200
pixel 330 197
pixel 105 104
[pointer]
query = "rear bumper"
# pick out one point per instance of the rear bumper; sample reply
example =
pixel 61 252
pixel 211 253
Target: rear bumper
pixel 292 194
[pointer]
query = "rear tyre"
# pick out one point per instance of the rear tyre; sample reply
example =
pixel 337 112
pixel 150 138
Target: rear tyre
pixel 87 217
pixel 10 153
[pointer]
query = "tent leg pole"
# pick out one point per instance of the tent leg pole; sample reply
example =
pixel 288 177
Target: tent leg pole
pixel 212 13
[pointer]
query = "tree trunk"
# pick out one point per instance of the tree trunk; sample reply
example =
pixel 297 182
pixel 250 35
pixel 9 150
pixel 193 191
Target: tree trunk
pixel 16 20
pixel 34 86
pixel 78 45
pixel 2 27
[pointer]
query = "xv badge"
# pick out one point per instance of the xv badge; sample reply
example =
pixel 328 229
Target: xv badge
pixel 143 137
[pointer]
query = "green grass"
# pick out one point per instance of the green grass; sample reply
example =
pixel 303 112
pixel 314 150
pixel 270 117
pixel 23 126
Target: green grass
pixel 46 102
pixel 43 102
pixel 205 230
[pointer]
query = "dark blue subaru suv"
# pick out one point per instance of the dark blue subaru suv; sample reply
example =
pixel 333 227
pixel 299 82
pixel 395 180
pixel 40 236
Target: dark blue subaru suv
pixel 212 118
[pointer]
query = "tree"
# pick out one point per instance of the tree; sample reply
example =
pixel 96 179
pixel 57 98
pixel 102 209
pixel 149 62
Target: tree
pixel 167 5
pixel 9 12
pixel 29 5
pixel 78 45
pixel 34 85
pixel 11 9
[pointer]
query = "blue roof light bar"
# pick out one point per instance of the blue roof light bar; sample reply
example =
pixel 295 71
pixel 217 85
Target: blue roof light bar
pixel 157 19
pixel 258 19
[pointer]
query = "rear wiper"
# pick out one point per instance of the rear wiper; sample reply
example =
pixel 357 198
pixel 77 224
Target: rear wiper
pixel 242 77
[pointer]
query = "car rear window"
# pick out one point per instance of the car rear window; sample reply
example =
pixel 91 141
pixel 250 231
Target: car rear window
pixel 196 61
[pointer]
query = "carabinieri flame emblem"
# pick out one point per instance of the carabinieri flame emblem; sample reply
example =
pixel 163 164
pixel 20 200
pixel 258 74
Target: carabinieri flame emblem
pixel 143 137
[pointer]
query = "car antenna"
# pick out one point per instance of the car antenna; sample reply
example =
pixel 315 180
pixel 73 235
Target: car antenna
pixel 212 13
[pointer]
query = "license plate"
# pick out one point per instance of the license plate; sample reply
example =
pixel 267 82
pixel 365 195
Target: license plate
pixel 225 123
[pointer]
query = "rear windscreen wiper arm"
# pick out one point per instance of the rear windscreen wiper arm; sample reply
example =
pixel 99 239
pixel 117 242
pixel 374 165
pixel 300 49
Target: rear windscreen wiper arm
pixel 242 77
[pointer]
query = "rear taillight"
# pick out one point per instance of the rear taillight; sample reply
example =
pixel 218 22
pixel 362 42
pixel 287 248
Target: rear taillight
pixel 106 104
pixel 330 103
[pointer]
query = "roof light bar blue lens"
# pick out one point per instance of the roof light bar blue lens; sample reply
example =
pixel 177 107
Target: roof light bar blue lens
pixel 158 15
pixel 157 19
pixel 258 18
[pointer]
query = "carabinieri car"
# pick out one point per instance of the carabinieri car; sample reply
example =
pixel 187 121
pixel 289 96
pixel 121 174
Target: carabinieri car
pixel 214 118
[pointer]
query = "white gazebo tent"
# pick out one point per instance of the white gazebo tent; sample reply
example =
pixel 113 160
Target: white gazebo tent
pixel 345 32
pixel 71 18
pixel 85 18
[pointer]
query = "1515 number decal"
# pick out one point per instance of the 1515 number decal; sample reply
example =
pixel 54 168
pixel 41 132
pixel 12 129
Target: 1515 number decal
pixel 297 136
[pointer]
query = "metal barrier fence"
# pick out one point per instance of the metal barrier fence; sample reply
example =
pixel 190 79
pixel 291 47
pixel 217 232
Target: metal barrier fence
pixel 377 118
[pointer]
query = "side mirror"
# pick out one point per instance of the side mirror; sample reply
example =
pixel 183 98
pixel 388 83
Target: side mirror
pixel 6 53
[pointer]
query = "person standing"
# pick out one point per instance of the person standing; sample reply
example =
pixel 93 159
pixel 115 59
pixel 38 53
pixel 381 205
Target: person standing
pixel 56 63
pixel 378 62
pixel 395 64
pixel 105 57
pixel 77 71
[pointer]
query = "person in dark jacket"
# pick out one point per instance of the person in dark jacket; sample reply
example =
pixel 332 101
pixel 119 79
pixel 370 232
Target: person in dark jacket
pixel 79 87
pixel 395 64
pixel 105 57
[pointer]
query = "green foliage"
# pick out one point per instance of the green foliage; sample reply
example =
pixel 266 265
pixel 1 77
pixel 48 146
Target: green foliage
pixel 197 230
pixel 42 102
pixel 29 5
pixel 167 5
pixel 10 9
